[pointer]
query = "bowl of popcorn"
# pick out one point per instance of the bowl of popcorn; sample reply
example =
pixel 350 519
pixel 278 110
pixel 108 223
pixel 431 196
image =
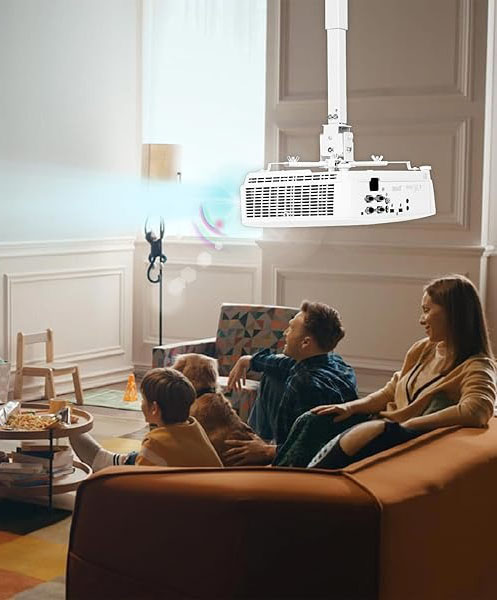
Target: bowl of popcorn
pixel 30 421
pixel 13 418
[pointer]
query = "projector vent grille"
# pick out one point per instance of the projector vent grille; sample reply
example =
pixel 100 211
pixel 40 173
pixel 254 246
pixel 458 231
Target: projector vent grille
pixel 307 200
pixel 290 177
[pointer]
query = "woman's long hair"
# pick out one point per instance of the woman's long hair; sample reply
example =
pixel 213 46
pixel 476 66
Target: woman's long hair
pixel 467 328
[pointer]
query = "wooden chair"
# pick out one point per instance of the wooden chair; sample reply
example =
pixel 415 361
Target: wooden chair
pixel 48 369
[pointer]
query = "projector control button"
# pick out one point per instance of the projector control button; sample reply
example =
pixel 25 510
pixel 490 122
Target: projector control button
pixel 380 209
pixel 369 210
pixel 369 198
pixel 380 198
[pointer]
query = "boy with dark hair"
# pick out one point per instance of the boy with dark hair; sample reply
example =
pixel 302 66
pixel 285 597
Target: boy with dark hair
pixel 177 439
pixel 293 383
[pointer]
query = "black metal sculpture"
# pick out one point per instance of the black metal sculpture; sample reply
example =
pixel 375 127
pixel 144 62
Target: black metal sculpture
pixel 156 253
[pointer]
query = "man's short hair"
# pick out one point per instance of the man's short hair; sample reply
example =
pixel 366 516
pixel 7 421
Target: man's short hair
pixel 172 391
pixel 323 323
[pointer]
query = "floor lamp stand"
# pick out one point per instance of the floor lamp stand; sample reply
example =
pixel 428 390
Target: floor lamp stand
pixel 156 253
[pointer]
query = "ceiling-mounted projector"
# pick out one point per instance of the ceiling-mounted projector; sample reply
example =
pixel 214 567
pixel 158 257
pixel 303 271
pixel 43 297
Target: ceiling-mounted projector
pixel 336 190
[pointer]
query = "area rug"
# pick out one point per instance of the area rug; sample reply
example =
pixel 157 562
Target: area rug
pixel 109 399
pixel 24 517
pixel 34 541
pixel 33 550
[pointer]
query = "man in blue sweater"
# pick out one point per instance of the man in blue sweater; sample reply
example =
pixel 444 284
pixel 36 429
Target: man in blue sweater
pixel 306 375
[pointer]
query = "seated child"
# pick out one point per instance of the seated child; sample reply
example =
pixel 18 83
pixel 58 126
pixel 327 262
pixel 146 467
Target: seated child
pixel 178 440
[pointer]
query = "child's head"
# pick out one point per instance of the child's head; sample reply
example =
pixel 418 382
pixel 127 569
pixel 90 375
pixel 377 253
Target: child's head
pixel 167 396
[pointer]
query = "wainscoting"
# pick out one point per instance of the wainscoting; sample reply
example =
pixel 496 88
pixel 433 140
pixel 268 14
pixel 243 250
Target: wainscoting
pixel 82 290
pixel 376 288
pixel 95 295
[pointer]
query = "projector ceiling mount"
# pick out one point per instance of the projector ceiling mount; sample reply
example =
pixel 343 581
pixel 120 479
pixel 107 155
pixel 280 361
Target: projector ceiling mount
pixel 336 190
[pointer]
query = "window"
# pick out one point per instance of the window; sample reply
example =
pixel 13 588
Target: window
pixel 204 89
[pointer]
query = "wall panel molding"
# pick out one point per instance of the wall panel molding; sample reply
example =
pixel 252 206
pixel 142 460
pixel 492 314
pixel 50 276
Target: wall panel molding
pixel 281 276
pixel 218 266
pixel 83 290
pixel 384 248
pixel 14 280
pixel 65 247
pixel 459 87
pixel 463 75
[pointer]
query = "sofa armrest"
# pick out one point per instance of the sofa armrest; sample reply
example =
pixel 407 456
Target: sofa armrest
pixel 163 356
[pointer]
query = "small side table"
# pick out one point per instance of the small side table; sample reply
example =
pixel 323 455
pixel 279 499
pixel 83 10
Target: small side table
pixel 65 483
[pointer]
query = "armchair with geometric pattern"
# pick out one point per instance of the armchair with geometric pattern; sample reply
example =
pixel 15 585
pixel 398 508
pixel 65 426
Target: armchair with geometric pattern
pixel 242 329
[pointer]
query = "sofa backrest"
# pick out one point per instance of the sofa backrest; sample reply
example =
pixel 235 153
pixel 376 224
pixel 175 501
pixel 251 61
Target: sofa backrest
pixel 223 534
pixel 248 328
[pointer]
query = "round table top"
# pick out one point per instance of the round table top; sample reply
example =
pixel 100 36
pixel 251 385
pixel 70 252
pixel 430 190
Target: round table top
pixel 83 424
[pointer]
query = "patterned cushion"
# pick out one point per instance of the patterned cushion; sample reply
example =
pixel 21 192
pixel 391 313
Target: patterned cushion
pixel 248 328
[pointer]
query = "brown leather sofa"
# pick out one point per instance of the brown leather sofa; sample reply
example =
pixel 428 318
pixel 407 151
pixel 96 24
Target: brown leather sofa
pixel 414 522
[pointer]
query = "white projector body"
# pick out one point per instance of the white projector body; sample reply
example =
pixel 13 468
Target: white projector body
pixel 305 198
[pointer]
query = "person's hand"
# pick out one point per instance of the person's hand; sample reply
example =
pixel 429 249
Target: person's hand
pixel 415 423
pixel 249 452
pixel 238 374
pixel 341 411
pixel 388 416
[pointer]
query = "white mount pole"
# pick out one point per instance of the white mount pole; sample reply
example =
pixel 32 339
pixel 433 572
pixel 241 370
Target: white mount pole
pixel 337 140
pixel 336 23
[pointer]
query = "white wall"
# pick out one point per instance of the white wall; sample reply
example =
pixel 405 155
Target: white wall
pixel 69 83
pixel 70 147
pixel 69 166
pixel 69 117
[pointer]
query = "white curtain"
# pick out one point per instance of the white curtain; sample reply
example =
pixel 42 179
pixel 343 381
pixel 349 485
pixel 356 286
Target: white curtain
pixel 204 84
